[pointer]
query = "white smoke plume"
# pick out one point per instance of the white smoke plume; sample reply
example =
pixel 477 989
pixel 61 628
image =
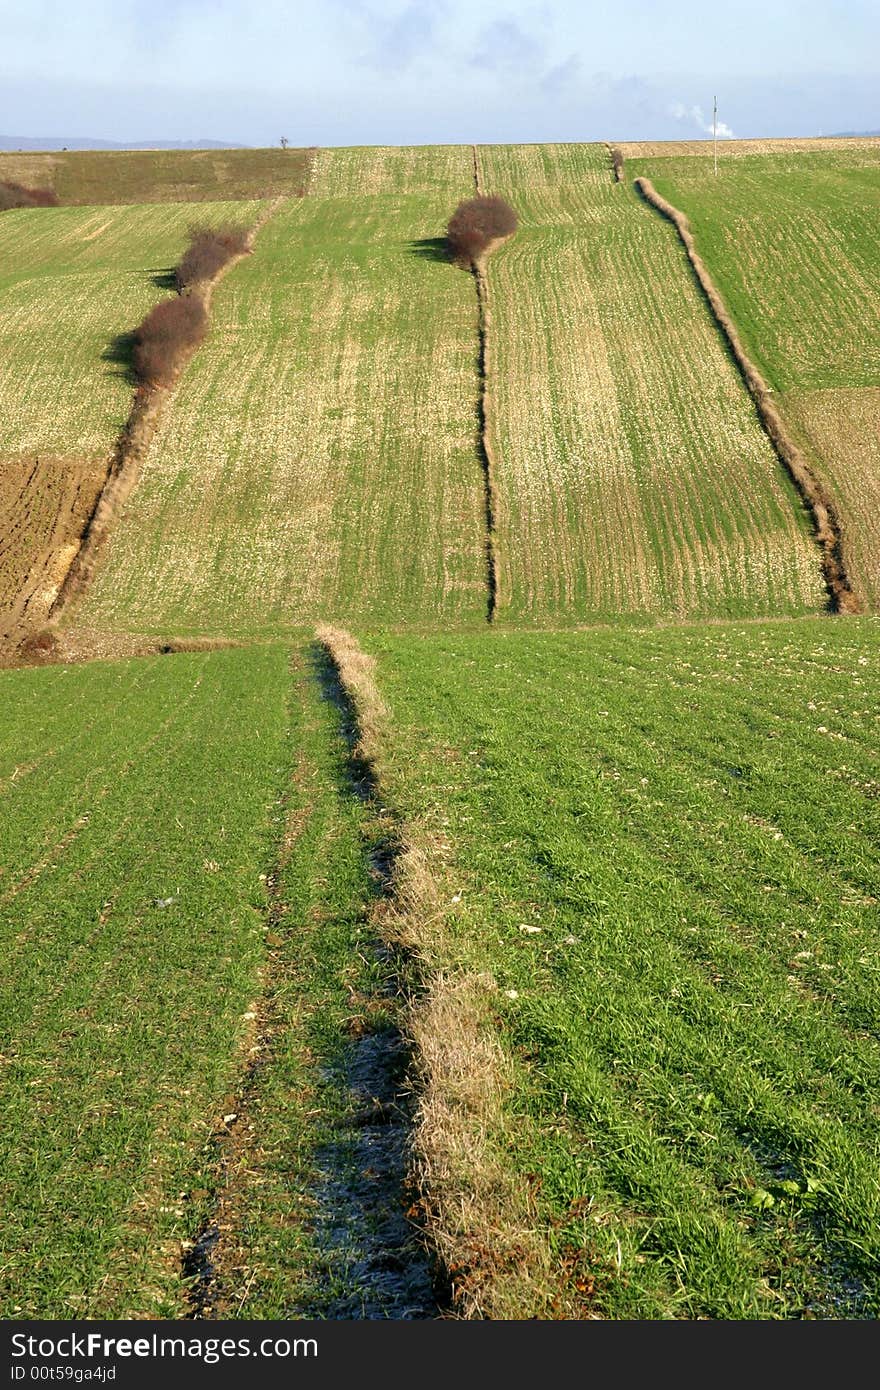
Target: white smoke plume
pixel 695 114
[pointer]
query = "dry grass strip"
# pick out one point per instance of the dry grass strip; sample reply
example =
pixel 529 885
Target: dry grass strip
pixel 822 508
pixel 476 1210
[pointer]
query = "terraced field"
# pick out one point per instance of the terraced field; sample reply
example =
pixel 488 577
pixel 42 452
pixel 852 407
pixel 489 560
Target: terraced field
pixel 634 478
pixel 790 238
pixel 661 849
pixel 320 458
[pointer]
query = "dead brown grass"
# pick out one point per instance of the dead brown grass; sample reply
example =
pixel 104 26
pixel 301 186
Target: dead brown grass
pixel 821 506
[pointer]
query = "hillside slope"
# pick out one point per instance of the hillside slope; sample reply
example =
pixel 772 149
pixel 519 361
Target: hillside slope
pixel 790 239
pixel 633 475
pixel 319 458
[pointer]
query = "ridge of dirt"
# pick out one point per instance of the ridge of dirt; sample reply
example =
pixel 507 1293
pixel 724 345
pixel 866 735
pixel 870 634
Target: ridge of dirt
pixel 826 521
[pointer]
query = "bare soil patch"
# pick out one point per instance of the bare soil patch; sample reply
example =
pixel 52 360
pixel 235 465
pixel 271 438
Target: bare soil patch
pixel 46 502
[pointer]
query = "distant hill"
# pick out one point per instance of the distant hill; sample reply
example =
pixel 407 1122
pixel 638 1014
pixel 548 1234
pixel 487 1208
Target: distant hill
pixel 853 134
pixel 60 142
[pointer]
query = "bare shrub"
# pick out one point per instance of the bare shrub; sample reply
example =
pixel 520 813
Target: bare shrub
pixel 15 195
pixel 209 250
pixel 166 337
pixel 475 224
pixel 617 162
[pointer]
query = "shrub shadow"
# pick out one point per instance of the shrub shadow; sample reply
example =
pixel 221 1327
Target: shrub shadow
pixel 119 351
pixel 432 248
pixel 164 279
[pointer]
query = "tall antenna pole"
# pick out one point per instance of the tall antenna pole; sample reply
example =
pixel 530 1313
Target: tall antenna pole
pixel 715 132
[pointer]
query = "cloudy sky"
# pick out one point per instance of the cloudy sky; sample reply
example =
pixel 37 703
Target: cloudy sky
pixel 336 72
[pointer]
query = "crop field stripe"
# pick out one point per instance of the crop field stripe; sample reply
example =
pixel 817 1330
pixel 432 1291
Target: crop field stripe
pixel 140 916
pixel 320 457
pixel 615 501
pixel 803 295
pixel 150 399
pixel 821 505
pixel 124 177
pixel 683 950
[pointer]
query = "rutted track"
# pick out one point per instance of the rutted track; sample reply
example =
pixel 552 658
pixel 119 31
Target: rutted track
pixel 475 1210
pixel 825 516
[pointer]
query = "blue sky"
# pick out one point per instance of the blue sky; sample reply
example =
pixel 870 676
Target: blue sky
pixel 422 71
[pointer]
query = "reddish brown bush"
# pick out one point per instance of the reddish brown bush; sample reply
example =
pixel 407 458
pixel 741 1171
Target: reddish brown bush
pixel 209 250
pixel 475 224
pixel 15 195
pixel 166 337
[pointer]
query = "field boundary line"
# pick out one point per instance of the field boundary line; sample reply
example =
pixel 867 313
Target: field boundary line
pixel 478 182
pixel 484 437
pixel 475 1211
pixel 615 154
pixel 815 496
pixel 132 446
pixel 485 447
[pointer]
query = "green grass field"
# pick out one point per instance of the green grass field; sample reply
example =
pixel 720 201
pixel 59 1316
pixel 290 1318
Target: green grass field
pixel 319 459
pixel 160 176
pixel 185 926
pixel 791 242
pixel 662 848
pixel 132 911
